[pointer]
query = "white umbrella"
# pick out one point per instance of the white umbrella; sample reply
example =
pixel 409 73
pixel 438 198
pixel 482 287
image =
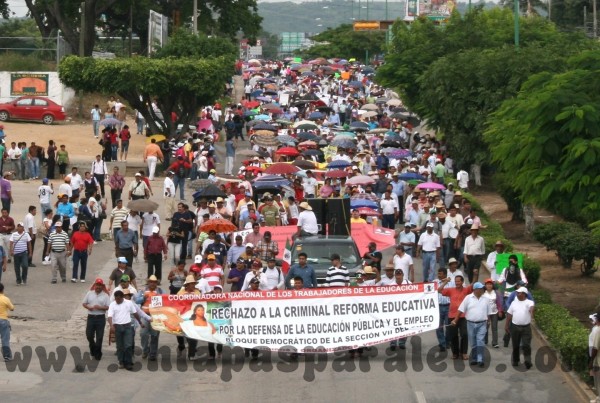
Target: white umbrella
pixel 369 107
pixel 369 114
pixel 394 102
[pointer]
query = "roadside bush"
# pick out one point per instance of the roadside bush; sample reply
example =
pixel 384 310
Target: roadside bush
pixel 546 234
pixel 532 270
pixel 541 296
pixel 566 335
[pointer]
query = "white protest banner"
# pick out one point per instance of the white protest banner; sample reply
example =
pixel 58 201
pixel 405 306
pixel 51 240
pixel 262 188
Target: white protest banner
pixel 307 320
pixel 242 233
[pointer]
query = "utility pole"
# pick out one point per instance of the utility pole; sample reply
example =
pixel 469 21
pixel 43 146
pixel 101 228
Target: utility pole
pixel 195 29
pixel 131 28
pixel 516 2
pixel 549 10
pixel 386 10
pixel 595 20
pixel 81 52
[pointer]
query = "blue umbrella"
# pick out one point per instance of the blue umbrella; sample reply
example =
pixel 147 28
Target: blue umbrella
pixel 316 116
pixel 359 124
pixel 262 117
pixel 339 164
pixel 264 99
pixel 286 139
pixel 357 203
pixel 271 181
pixel 307 136
pixel 256 93
pixel 411 175
pixel 343 143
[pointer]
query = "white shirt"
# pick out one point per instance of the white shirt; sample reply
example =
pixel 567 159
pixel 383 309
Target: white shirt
pixel 76 181
pixel 475 309
pixel 308 222
pixel 98 167
pixel 402 263
pixel 463 179
pixel 29 222
pixel 520 311
pixel 474 246
pixel 446 228
pixel 310 185
pixel 263 285
pixel 457 220
pixel 65 189
pixel 491 265
pixel 204 286
pixel 131 289
pixel 134 222
pixel 491 296
pixel 385 280
pixel 44 193
pixel 275 278
pixel 452 276
pixel 388 206
pixel 148 222
pixel 121 313
pixel 429 243
pixel 169 187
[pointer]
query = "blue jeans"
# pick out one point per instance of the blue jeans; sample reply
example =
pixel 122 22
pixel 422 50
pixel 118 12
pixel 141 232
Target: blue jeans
pixel 179 183
pixel 5 338
pixel 149 338
pixel 79 256
pixel 95 126
pixel 388 221
pixel 440 331
pixel 21 261
pixel 140 126
pixel 429 262
pixel 476 333
pixel 97 229
pixel 447 251
pixel 114 148
pixel 124 338
pixel 34 167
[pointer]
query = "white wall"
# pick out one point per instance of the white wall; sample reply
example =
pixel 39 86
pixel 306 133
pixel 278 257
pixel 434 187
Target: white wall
pixel 56 90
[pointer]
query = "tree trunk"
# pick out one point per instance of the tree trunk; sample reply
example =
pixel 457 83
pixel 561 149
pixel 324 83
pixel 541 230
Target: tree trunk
pixel 529 219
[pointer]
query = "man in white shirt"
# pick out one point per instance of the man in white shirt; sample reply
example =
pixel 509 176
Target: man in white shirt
pixel 310 185
pixel 463 180
pixel 407 239
pixel 429 244
pixel 403 261
pixel 389 210
pixel 76 182
pixel 44 193
pixel 477 310
pixel 307 221
pixel 99 172
pixel 388 278
pixel 473 253
pixel 518 324
pixel 149 221
pixel 491 259
pixel 275 278
pixel 31 229
pixel 453 270
pixel 119 318
pixel 169 194
pixel 256 273
pixel 445 238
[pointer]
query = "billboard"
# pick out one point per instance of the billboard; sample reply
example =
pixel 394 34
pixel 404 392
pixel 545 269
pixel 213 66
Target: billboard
pixel 437 10
pixel 158 31
pixel 28 84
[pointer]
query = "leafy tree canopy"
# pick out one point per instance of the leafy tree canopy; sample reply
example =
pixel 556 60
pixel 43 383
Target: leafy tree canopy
pixel 346 43
pixel 548 139
pixel 185 44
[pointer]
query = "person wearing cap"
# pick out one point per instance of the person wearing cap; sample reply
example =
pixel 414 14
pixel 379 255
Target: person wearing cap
pixel 119 318
pixel 266 248
pixel 490 262
pixel 407 239
pixel 518 324
pixel 124 284
pixel 473 253
pixel 44 192
pixel 96 301
pixel 122 269
pixel 138 188
pixel 149 336
pixel 388 277
pixel 155 253
pixel 430 247
pixel 211 271
pixel 80 246
pixel 476 309
pixel 256 274
pixel 152 154
pixel 307 222
pixel 237 274
pixel 337 275
pixel 169 195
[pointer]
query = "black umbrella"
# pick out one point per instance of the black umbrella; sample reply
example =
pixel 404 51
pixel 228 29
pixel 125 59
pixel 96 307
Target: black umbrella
pixel 209 192
pixel 360 125
pixel 312 152
pixel 265 126
pixel 304 136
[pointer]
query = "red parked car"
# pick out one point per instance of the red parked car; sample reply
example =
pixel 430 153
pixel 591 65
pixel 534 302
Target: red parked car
pixel 32 108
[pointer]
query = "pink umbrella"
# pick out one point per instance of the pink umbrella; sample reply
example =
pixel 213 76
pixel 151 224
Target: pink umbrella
pixel 431 185
pixel 360 180
pixel 369 212
pixel 205 124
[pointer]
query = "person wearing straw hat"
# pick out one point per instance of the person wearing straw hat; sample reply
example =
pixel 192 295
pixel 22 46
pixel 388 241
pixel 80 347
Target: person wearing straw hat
pixel 148 335
pixel 189 288
pixel 307 221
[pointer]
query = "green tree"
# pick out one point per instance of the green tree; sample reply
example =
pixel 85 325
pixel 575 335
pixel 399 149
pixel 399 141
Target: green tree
pixel 176 85
pixel 185 44
pixel 4 9
pixel 270 44
pixel 547 139
pixel 346 43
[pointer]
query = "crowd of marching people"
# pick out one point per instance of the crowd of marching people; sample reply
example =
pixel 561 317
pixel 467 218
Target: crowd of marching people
pixel 322 129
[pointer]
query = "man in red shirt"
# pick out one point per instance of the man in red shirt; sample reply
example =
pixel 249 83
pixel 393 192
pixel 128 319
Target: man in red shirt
pixel 180 168
pixel 155 252
pixel 80 246
pixel 456 295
